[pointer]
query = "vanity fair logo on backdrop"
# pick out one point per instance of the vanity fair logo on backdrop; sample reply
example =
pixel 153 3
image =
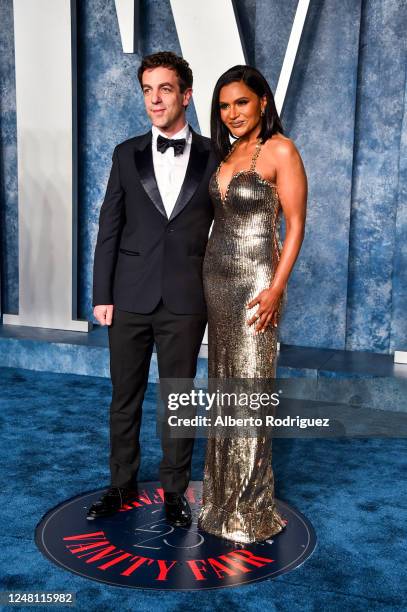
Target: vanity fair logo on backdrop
pixel 137 548
pixel 47 131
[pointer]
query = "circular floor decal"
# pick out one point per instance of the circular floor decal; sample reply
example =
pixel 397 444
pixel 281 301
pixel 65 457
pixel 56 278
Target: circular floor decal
pixel 136 548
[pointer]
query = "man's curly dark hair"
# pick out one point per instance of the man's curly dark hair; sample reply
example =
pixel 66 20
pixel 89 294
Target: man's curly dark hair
pixel 168 59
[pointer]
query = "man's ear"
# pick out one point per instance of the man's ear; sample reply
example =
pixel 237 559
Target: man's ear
pixel 187 96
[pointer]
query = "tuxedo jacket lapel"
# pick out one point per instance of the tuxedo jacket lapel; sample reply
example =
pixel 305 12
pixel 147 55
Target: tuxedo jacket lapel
pixel 198 160
pixel 143 156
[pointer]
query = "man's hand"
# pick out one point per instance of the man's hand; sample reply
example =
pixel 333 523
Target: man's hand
pixel 104 314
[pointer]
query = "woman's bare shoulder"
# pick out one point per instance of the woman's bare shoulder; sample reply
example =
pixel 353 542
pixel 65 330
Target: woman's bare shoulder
pixel 280 146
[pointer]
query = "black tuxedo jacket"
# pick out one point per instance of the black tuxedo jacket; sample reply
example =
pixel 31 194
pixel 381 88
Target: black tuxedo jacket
pixel 142 256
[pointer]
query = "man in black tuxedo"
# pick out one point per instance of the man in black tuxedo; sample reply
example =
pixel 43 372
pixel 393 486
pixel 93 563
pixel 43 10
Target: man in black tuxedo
pixel 147 282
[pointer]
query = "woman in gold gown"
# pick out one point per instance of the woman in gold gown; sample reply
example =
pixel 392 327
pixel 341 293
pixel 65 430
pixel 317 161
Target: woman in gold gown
pixel 246 270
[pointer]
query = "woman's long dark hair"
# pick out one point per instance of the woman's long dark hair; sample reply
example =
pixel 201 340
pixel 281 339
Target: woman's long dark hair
pixel 270 121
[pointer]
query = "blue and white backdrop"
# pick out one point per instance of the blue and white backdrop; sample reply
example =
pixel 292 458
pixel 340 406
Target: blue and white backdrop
pixel 345 108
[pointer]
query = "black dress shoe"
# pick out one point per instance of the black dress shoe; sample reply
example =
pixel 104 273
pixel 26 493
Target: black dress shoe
pixel 110 502
pixel 177 510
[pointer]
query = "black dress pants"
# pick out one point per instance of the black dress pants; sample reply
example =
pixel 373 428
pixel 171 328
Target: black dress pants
pixel 131 339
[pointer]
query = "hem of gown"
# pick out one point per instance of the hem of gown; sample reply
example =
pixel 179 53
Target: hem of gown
pixel 244 528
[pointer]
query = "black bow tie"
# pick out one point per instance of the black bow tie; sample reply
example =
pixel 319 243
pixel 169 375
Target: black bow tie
pixel 164 143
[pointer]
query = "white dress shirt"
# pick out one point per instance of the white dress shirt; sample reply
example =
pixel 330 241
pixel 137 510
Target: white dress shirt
pixel 169 169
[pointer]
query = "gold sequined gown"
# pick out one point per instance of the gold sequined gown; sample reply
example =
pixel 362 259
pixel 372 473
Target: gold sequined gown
pixel 241 257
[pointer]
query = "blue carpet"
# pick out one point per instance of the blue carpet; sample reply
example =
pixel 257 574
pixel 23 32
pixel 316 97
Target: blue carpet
pixel 55 445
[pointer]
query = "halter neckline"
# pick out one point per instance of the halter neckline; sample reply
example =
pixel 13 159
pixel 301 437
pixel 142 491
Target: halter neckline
pixel 251 170
pixel 255 155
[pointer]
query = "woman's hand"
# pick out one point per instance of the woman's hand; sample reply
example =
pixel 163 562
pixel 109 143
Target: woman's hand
pixel 267 312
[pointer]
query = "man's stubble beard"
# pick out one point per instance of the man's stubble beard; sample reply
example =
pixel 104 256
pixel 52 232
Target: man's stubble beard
pixel 167 125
